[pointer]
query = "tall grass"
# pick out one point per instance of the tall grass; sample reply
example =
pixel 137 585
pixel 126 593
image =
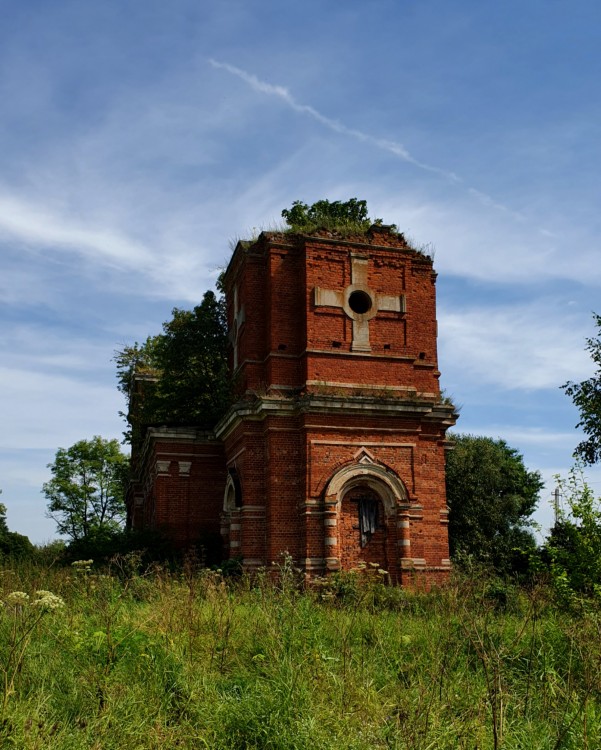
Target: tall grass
pixel 192 660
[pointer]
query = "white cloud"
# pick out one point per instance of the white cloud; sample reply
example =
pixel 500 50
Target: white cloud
pixel 42 349
pixel 492 245
pixel 39 226
pixel 42 411
pixel 525 347
pixel 517 435
pixel 25 470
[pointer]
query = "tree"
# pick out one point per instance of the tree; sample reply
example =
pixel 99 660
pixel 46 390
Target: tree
pixel 86 494
pixel 574 545
pixel 194 386
pixel 11 543
pixel 186 370
pixel 491 496
pixel 350 215
pixel 587 398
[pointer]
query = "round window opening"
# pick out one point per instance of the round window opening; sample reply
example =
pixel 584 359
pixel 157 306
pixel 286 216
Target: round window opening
pixel 359 302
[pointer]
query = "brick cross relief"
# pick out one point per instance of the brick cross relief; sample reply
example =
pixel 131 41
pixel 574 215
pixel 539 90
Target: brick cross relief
pixel 359 302
pixel 234 333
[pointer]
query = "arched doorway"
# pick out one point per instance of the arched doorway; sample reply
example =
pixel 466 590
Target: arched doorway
pixel 363 528
pixel 362 518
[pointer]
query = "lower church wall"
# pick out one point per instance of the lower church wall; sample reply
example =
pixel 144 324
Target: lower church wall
pixel 182 476
pixel 281 468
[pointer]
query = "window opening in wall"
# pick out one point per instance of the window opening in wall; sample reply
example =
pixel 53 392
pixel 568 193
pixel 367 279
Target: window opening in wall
pixel 368 518
pixel 359 302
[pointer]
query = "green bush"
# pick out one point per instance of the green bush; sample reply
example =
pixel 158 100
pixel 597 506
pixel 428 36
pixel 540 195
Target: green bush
pixel 573 549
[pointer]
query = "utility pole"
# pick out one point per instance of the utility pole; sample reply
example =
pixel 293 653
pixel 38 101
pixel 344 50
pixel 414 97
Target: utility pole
pixel 556 504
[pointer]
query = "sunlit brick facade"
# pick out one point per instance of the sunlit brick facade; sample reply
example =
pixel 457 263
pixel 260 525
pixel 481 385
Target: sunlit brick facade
pixel 334 450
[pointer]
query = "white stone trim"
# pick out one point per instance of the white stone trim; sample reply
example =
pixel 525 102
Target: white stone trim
pixel 374 444
pixel 229 495
pixel 340 384
pixel 387 485
pixel 162 467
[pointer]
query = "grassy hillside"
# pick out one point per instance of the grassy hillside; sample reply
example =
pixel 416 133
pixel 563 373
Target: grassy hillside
pixel 190 660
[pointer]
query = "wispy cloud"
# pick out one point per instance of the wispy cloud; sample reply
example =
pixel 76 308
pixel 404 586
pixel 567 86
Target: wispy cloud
pixel 523 436
pixel 522 347
pixel 486 200
pixel 39 226
pixel 390 146
pixel 43 349
pixel 281 92
pixel 156 257
pixel 483 244
pixel 59 409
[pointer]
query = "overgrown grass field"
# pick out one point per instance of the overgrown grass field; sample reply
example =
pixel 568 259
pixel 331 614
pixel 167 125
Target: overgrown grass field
pixel 193 660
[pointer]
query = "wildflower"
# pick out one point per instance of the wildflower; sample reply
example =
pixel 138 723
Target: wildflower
pixel 82 566
pixel 47 601
pixel 17 599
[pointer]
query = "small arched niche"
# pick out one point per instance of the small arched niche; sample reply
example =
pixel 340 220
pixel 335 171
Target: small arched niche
pixel 232 497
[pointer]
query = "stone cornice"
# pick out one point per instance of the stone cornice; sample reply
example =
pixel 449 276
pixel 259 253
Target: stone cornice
pixel 375 406
pixel 169 435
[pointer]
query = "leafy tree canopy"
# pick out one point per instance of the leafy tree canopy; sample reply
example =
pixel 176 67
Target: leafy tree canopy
pixel 11 543
pixel 188 377
pixel 491 496
pixel 3 524
pixel 87 491
pixel 351 215
pixel 587 398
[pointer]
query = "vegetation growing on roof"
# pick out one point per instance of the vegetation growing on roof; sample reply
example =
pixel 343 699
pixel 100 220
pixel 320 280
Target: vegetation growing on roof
pixel 349 217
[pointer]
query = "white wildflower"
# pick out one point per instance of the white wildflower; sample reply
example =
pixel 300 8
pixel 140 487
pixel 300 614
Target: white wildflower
pixel 82 566
pixel 17 599
pixel 47 600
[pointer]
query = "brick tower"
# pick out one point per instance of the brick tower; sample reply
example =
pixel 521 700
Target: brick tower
pixel 334 450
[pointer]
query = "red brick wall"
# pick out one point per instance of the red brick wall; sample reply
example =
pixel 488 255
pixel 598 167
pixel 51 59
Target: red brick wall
pixel 317 418
pixel 288 450
pixel 182 483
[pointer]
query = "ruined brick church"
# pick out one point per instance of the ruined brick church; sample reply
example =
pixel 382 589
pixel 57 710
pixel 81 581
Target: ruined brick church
pixel 334 449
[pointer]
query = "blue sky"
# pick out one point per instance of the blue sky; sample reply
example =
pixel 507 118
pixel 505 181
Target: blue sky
pixel 139 139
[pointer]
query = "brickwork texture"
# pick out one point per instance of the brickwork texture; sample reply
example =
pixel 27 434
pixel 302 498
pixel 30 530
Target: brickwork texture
pixel 338 408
